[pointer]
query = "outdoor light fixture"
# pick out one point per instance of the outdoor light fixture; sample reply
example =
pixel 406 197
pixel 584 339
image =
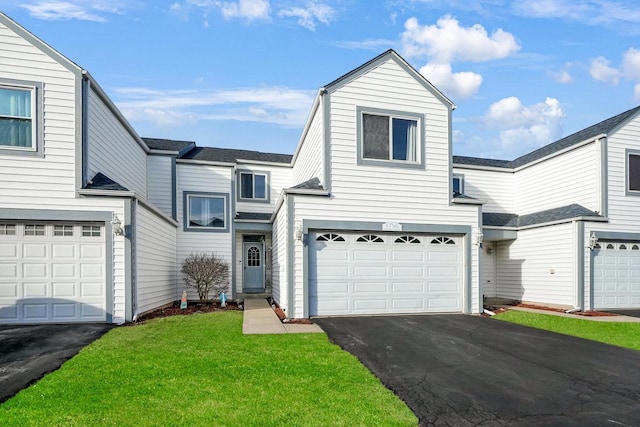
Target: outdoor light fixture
pixel 298 233
pixel 116 225
pixel 479 238
pixel 593 241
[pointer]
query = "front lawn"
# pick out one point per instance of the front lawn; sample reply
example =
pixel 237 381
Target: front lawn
pixel 616 333
pixel 201 370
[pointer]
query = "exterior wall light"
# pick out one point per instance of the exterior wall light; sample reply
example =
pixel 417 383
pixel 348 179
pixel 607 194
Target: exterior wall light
pixel 116 225
pixel 298 233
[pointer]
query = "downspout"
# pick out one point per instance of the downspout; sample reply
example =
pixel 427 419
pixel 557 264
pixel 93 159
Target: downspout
pixel 86 89
pixel 579 227
pixel 134 259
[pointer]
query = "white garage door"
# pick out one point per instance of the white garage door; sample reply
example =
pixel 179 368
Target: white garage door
pixel 368 273
pixel 52 273
pixel 616 275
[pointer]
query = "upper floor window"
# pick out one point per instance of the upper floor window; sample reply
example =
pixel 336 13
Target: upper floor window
pixel 19 127
pixel 253 186
pixel 633 172
pixel 205 212
pixel 389 138
pixel 458 184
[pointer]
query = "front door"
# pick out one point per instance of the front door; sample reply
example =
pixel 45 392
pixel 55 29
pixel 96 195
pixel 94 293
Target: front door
pixel 253 260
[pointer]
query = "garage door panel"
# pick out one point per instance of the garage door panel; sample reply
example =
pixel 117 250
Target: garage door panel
pixel 386 273
pixel 8 250
pixel 56 276
pixel 616 276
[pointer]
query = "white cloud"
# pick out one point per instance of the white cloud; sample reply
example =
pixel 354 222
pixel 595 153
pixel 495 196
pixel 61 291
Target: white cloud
pixel 601 71
pixel 593 12
pixel 309 15
pixel 245 9
pixel 276 105
pixel 370 44
pixel 631 64
pixel 460 85
pixel 82 10
pixel 447 41
pixel 525 127
pixel 563 76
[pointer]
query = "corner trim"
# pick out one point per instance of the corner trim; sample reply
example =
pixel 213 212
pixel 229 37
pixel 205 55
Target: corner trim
pixel 290 257
pixel 326 138
pixel 580 263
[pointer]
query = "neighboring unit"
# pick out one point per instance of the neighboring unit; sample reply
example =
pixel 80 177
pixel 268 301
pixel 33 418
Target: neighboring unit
pixel 372 214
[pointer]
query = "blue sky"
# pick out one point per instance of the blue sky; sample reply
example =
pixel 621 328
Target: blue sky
pixel 243 74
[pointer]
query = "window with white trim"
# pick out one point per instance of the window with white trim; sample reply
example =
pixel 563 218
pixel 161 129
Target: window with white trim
pixel 253 186
pixel 91 230
pixel 205 212
pixel 34 230
pixel 63 230
pixel 458 184
pixel 389 138
pixel 7 229
pixel 19 121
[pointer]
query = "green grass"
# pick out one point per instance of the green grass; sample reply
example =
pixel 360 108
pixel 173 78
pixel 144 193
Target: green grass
pixel 200 370
pixel 616 333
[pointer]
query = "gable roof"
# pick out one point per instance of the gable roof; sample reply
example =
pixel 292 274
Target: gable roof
pixel 168 144
pixel 102 182
pixel 229 155
pixel 375 62
pixel 492 219
pixel 604 127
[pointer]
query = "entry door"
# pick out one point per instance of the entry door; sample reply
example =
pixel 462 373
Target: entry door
pixel 253 276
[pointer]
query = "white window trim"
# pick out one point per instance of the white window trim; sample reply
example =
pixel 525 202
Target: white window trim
pixel 37 120
pixel 391 114
pixel 186 211
pixel 459 177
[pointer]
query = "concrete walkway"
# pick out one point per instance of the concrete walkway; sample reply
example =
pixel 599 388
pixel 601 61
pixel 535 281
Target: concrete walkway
pixel 259 318
pixel 616 318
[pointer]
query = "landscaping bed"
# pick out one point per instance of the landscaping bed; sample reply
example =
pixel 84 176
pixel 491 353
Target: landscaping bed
pixel 192 308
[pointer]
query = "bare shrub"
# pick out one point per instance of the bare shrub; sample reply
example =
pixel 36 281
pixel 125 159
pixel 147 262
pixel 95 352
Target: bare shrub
pixel 207 273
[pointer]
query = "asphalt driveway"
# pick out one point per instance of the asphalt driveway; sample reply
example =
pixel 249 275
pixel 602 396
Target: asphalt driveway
pixel 27 353
pixel 456 370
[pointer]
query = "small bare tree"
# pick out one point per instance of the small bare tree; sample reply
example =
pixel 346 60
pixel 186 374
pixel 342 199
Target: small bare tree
pixel 206 273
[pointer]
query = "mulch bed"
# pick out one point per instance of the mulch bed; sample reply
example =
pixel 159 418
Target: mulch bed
pixel 192 308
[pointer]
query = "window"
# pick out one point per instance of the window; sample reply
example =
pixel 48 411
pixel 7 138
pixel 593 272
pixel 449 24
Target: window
pixel 253 186
pixel 19 109
pixel 7 229
pixel 34 230
pixel 633 172
pixel 443 241
pixel 205 212
pixel 389 138
pixel 63 230
pixel 370 238
pixel 330 237
pixel 407 239
pixel 91 231
pixel 458 185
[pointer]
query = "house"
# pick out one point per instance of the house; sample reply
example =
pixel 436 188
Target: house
pixel 372 214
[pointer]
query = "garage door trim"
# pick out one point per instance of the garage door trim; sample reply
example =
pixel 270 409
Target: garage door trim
pixel 22 215
pixel 367 226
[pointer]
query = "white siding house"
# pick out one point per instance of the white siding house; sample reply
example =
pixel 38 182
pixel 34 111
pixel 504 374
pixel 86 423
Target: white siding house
pixel 95 221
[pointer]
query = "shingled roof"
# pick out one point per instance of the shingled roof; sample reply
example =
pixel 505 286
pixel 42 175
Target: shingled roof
pixel 103 182
pixel 167 144
pixel 229 155
pixel 602 128
pixel 549 215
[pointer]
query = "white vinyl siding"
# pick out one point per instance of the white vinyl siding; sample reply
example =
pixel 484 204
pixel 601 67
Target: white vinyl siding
pixel 310 161
pixel 201 178
pixel 278 177
pixel 539 266
pixel 156 273
pixel 113 151
pixel 159 183
pixel 30 180
pixel 573 177
pixel 624 210
pixel 279 259
pixel 496 189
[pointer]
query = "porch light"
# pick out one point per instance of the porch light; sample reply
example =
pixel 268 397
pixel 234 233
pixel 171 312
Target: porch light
pixel 298 233
pixel 479 238
pixel 116 225
pixel 593 241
